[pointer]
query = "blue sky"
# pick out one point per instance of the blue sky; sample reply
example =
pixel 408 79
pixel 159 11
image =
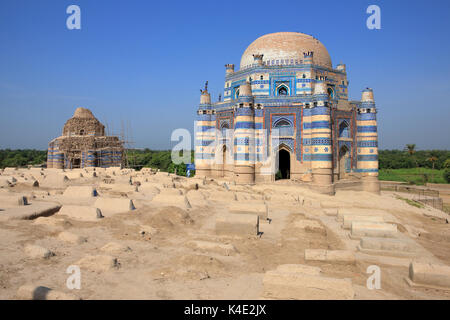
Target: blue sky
pixel 142 63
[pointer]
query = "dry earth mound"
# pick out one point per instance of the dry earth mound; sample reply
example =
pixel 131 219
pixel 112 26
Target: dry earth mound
pixel 169 217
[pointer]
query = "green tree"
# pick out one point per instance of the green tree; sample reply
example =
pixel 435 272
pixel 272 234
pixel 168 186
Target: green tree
pixel 411 149
pixel 447 170
pixel 447 164
pixel 433 160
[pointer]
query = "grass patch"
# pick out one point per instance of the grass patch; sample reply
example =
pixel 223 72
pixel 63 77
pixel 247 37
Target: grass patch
pixel 417 176
pixel 413 203
pixel 446 208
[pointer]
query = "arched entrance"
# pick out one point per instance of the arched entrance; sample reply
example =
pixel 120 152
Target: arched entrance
pixel 284 165
pixel 344 162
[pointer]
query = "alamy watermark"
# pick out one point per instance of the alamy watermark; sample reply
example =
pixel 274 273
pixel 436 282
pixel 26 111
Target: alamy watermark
pixel 374 280
pixel 374 20
pixel 74 20
pixel 74 280
pixel 224 146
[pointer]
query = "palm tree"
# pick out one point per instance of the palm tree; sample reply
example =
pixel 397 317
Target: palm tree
pixel 433 160
pixel 411 149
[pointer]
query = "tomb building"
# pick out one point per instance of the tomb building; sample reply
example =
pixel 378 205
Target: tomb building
pixel 287 104
pixel 83 143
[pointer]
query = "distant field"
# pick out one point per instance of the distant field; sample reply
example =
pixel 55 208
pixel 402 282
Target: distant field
pixel 417 176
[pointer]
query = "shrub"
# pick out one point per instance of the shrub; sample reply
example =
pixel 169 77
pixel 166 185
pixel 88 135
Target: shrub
pixel 447 175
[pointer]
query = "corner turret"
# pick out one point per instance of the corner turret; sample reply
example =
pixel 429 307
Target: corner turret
pixel 368 142
pixel 229 69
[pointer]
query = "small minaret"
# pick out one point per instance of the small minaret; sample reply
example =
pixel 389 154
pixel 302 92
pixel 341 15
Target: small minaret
pixel 308 57
pixel 321 153
pixel 308 62
pixel 229 69
pixel 205 98
pixel 258 59
pixel 245 90
pixel 204 130
pixel 341 67
pixel 367 137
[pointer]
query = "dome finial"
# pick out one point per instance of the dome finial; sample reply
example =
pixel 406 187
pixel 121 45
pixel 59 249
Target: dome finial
pixel 205 97
pixel 206 88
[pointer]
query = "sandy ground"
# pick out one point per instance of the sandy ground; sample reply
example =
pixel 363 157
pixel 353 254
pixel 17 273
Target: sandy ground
pixel 154 244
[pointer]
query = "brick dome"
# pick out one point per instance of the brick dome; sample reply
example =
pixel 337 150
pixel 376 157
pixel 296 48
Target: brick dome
pixel 286 46
pixel 82 123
